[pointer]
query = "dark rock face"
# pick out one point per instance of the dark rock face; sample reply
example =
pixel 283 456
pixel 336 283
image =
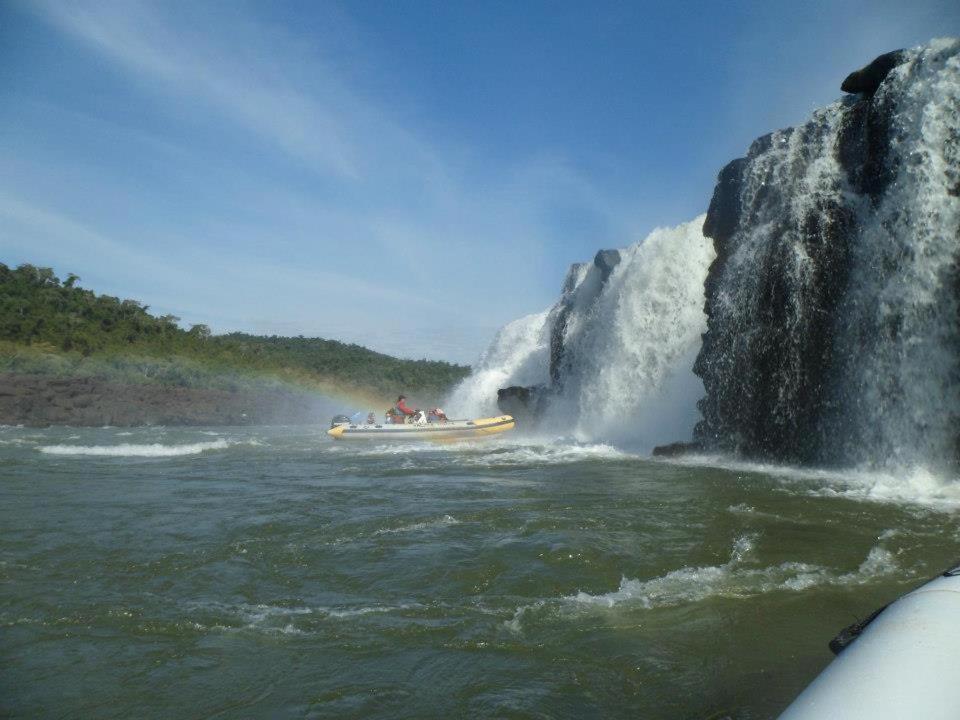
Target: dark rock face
pixel 37 400
pixel 868 79
pixel 525 404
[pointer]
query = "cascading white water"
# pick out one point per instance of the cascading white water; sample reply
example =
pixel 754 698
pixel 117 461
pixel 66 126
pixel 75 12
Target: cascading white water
pixel 628 346
pixel 900 333
pixel 518 355
pixel 633 350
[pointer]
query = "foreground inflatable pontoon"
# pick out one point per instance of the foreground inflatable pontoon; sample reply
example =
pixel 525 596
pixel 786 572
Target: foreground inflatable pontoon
pixel 435 431
pixel 903 662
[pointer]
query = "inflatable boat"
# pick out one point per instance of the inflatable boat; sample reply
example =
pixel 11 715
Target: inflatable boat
pixel 450 430
pixel 903 661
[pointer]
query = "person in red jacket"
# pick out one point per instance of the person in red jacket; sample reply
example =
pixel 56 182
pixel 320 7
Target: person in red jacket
pixel 401 406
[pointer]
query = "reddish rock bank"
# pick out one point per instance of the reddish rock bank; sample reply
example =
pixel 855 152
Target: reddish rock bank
pixel 37 400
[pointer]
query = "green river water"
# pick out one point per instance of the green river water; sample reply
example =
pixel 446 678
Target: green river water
pixel 273 573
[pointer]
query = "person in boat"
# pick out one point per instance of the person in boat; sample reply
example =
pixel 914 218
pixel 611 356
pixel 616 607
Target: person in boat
pixel 437 415
pixel 402 411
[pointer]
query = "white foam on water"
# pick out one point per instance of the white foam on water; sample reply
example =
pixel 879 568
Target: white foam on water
pixel 296 620
pixel 553 454
pixel 128 450
pixel 735 579
pixel 18 441
pixel 441 522
pixel 919 486
pixel 494 452
pixel 341 613
pixel 739 577
pixel 445 521
pixel 515 624
pixel 257 614
pixel 369 448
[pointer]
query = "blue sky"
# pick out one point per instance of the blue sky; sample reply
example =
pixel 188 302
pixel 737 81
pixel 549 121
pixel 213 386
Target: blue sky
pixel 409 175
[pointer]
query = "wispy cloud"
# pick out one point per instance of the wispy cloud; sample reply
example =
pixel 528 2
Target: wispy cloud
pixel 233 80
pixel 36 229
pixel 296 176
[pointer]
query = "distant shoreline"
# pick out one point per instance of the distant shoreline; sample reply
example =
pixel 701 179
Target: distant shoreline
pixel 43 400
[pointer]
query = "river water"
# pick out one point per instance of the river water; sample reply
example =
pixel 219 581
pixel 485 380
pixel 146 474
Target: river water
pixel 272 573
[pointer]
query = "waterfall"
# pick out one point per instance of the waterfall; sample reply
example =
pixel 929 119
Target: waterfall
pixel 771 294
pixel 631 353
pixel 899 339
pixel 833 302
pixel 611 359
pixel 822 323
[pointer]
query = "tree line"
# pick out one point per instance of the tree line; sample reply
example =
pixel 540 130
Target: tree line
pixel 39 310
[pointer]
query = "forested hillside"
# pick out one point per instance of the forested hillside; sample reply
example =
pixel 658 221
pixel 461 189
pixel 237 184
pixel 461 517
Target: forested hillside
pixel 53 326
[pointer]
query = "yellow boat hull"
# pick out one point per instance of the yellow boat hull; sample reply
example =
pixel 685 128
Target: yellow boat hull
pixel 452 431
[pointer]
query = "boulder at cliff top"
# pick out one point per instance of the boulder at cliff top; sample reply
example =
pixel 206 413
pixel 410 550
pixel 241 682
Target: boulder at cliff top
pixel 867 79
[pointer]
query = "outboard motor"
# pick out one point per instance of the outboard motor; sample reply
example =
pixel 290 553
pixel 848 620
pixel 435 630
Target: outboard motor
pixel 339 420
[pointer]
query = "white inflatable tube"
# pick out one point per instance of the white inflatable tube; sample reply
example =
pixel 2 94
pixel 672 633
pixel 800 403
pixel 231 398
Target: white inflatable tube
pixel 905 664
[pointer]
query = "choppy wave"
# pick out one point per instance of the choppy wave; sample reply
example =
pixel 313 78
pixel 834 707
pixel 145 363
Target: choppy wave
pixel 491 454
pixel 432 524
pixel 557 454
pixel 445 521
pixel 266 618
pixel 732 580
pixel 15 442
pixel 129 450
pixel 737 578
